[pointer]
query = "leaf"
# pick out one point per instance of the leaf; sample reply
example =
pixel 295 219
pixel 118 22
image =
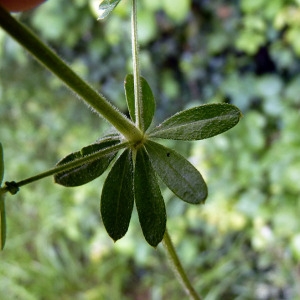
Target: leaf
pixel 181 177
pixel 87 171
pixel 1 164
pixel 129 93
pixel 106 7
pixel 149 201
pixel 148 101
pixel 198 123
pixel 2 221
pixel 117 197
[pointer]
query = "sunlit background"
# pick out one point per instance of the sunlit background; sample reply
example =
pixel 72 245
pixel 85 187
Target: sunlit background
pixel 244 243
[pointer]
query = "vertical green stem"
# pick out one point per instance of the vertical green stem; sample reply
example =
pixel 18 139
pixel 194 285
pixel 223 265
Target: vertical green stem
pixel 178 269
pixel 136 68
pixel 51 60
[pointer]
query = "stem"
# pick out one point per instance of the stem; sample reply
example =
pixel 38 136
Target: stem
pixel 178 269
pixel 52 61
pixel 68 166
pixel 138 104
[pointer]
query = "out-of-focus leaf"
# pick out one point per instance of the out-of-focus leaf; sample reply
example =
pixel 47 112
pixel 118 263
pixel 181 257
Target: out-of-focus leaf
pixel 199 122
pixel 149 201
pixel 182 178
pixel 2 221
pixel 117 197
pixel 88 171
pixel 1 164
pixel 292 90
pixel 249 41
pixel 106 7
pixel 148 101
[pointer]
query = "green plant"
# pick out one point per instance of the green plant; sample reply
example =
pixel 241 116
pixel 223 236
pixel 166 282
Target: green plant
pixel 133 176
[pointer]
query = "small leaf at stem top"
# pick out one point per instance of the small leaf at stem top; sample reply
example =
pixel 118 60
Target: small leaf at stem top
pixel 106 7
pixel 147 98
pixel 149 201
pixel 181 177
pixel 87 171
pixel 2 221
pixel 117 197
pixel 198 123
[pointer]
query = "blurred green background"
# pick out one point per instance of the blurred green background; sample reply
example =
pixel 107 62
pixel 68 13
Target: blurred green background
pixel 244 243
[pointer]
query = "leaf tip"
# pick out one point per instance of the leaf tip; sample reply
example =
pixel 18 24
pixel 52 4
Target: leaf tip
pixel 154 244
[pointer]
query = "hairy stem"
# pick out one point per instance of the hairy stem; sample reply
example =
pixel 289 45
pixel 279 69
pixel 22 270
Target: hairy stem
pixel 136 68
pixel 178 269
pixel 52 61
pixel 67 166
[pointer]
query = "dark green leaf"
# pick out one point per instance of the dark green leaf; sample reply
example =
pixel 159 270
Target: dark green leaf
pixel 148 101
pixel 149 201
pixel 199 122
pixel 117 197
pixel 2 221
pixel 182 178
pixel 87 171
pixel 106 7
pixel 1 164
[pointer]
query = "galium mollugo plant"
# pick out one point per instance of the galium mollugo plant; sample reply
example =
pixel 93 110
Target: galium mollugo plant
pixel 133 150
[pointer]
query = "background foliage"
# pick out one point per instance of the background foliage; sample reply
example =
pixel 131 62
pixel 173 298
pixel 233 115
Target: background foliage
pixel 244 243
